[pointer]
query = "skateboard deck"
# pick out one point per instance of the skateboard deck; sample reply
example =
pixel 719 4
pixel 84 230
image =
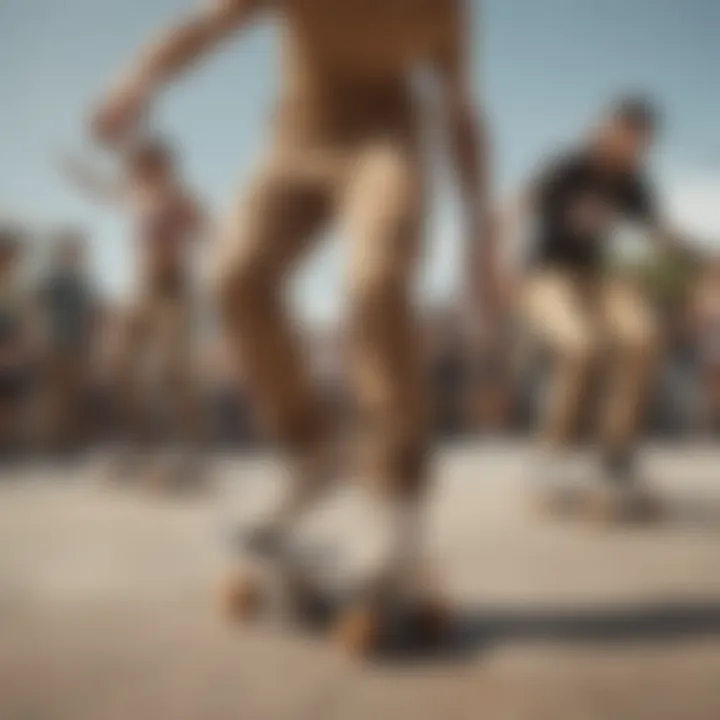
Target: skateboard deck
pixel 300 590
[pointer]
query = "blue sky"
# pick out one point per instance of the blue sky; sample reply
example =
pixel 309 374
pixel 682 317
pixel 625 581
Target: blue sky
pixel 544 67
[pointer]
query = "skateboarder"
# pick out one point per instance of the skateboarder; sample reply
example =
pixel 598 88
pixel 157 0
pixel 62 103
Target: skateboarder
pixel 346 147
pixel 168 221
pixel 575 308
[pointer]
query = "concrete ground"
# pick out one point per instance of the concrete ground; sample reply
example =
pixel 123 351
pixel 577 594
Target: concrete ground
pixel 106 604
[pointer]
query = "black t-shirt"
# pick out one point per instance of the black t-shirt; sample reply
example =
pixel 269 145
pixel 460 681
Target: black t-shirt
pixel 577 201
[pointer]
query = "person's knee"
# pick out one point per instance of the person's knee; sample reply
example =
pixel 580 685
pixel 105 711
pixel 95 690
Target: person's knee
pixel 381 279
pixel 377 287
pixel 388 167
pixel 402 465
pixel 242 283
pixel 639 342
pixel 578 350
pixel 389 197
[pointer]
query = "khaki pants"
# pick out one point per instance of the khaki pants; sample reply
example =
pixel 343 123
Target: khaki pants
pixel 158 326
pixel 577 318
pixel 374 186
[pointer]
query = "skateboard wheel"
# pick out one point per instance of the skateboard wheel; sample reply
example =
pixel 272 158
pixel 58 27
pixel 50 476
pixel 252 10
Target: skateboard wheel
pixel 239 598
pixel 358 631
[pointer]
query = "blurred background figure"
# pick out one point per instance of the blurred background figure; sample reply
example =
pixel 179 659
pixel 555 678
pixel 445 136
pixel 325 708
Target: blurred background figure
pixel 577 308
pixel 707 328
pixel 15 343
pixel 157 330
pixel 68 311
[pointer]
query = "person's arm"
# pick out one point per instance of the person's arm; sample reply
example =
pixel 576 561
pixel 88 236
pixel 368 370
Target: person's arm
pixel 469 147
pixel 167 57
pixel 644 207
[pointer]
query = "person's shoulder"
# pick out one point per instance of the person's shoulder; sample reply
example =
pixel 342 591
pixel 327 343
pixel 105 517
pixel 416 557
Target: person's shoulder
pixel 573 160
pixel 563 165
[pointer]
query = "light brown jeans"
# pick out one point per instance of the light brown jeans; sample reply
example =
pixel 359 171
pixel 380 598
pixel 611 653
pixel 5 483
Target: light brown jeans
pixel 371 181
pixel 577 318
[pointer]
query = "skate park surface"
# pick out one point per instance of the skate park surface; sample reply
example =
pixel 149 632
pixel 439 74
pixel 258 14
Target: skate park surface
pixel 106 603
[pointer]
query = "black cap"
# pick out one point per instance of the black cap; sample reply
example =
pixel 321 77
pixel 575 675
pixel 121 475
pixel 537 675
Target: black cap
pixel 639 112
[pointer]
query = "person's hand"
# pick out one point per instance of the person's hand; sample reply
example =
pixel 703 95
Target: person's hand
pixel 121 112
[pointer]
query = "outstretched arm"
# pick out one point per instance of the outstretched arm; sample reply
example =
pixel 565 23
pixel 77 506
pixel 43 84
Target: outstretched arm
pixel 469 148
pixel 168 56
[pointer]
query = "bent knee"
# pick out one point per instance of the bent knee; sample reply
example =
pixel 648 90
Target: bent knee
pixel 388 168
pixel 577 349
pixel 641 342
pixel 243 281
pixel 377 286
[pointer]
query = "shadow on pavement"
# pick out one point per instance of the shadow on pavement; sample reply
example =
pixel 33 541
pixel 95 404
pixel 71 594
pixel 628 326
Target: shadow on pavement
pixel 693 513
pixel 484 628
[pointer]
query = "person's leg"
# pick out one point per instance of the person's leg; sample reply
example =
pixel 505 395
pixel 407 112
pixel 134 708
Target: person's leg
pixel 561 317
pixel 384 212
pixel 128 388
pixel 181 468
pixel 276 224
pixel 633 332
pixel 179 368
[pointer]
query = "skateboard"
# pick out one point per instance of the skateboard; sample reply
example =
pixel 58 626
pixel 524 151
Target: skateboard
pixel 291 587
pixel 411 625
pixel 274 582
